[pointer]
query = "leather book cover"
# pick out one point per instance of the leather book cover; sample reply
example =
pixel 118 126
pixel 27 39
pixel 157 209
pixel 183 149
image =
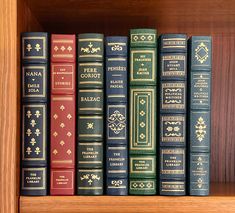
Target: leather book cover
pixel 200 64
pixel 172 130
pixel 142 117
pixel 117 186
pixel 142 186
pixel 90 154
pixel 143 57
pixel 90 128
pixel 34 83
pixel 172 163
pixel 173 43
pixel 142 120
pixel 200 128
pixel 90 75
pixel 90 47
pixel 173 66
pixel 62 181
pixel 116 161
pixel 173 97
pixel 116 69
pixel 34 134
pixel 199 174
pixel 63 48
pixel 34 181
pixel 90 114
pixel 116 123
pixel 200 90
pixel 142 166
pixel 172 187
pixel 34 47
pixel 63 78
pixel 63 131
pixel 90 182
pixel 90 101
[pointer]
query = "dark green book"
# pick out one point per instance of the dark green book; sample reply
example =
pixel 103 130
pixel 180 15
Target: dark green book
pixel 143 77
pixel 90 114
pixel 199 114
pixel 173 91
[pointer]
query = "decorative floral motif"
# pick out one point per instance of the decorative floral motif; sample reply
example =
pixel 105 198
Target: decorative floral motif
pixel 116 183
pixel 116 122
pixel 90 49
pixel 90 178
pixel 200 129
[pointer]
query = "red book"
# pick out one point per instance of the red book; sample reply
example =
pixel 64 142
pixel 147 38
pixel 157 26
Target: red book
pixel 63 48
pixel 63 114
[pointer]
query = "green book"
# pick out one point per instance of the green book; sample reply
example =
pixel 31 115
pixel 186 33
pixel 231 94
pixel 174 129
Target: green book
pixel 142 147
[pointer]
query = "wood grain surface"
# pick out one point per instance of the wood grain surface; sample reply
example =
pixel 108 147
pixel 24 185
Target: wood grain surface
pixel 117 17
pixel 8 106
pixel 222 201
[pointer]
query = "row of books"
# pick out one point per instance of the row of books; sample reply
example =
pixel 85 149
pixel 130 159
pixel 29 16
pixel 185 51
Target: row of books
pixel 112 116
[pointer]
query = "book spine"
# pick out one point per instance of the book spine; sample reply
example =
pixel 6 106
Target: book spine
pixel 63 114
pixel 142 147
pixel 173 86
pixel 34 109
pixel 90 114
pixel 199 114
pixel 116 117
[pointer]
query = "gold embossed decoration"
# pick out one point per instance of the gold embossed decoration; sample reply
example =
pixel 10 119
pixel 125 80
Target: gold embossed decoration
pixel 90 178
pixel 90 49
pixel 116 122
pixel 200 129
pixel 201 52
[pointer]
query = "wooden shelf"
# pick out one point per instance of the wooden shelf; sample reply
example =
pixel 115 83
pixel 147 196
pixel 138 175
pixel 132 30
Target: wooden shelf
pixel 222 199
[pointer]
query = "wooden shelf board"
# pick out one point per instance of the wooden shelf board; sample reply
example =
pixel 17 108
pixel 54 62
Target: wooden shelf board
pixel 222 199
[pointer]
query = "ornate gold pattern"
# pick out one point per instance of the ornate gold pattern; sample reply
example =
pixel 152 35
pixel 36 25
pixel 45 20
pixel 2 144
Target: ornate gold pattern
pixel 90 178
pixel 90 49
pixel 90 125
pixel 200 129
pixel 116 122
pixel 201 52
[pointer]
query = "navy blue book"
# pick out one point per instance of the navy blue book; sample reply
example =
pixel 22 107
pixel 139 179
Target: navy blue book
pixel 34 129
pixel 173 91
pixel 116 117
pixel 199 114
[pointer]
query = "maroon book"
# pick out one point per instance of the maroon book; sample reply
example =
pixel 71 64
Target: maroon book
pixel 63 114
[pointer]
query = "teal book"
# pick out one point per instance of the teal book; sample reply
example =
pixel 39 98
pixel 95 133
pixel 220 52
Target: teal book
pixel 200 65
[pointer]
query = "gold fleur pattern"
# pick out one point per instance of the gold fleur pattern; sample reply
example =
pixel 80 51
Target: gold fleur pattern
pixel 33 144
pixel 90 178
pixel 90 49
pixel 200 129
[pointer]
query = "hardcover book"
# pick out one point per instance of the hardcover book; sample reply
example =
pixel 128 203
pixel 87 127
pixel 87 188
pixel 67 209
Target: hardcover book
pixel 143 78
pixel 34 139
pixel 116 119
pixel 173 91
pixel 199 114
pixel 63 114
pixel 90 114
